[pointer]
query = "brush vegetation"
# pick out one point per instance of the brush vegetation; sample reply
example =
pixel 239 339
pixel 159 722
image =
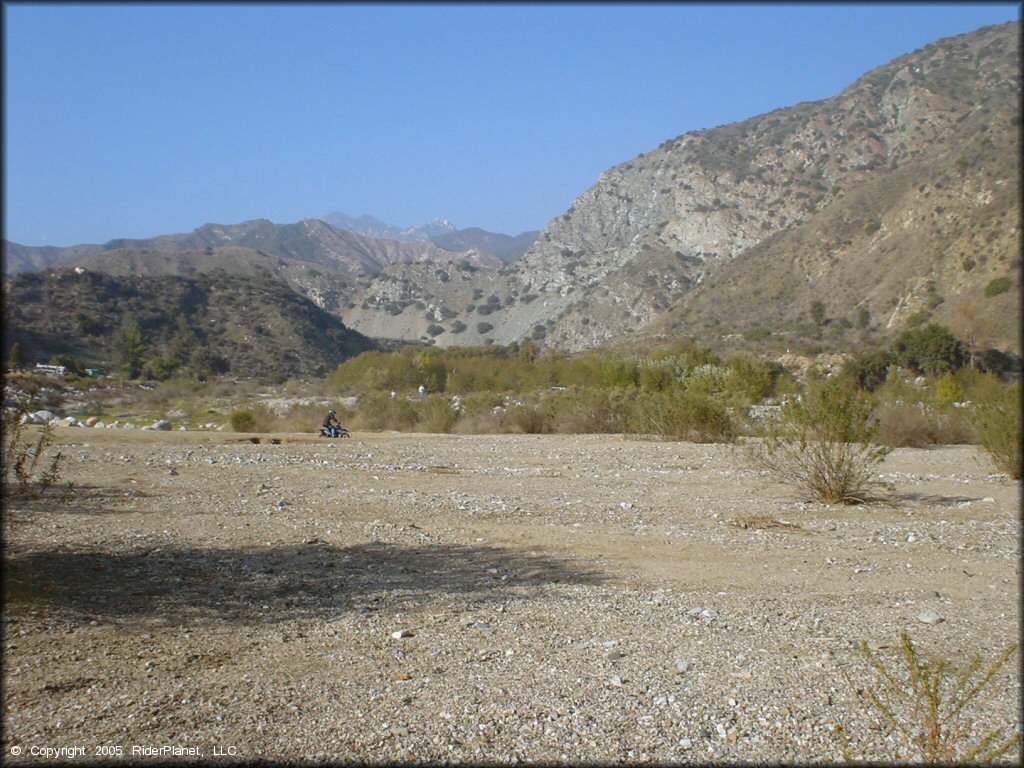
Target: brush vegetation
pixel 930 710
pixel 30 465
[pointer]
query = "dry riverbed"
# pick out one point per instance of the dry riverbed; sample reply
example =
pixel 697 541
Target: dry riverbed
pixel 412 597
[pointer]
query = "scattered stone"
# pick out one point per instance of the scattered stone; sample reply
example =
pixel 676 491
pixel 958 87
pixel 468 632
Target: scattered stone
pixel 929 617
pixel 402 634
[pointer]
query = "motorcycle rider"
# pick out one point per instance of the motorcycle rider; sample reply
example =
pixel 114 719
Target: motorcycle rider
pixel 331 424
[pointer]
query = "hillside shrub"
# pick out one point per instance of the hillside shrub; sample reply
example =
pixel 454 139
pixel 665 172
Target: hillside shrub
pixel 751 379
pixel 869 369
pixel 996 286
pixel 825 443
pixel 948 389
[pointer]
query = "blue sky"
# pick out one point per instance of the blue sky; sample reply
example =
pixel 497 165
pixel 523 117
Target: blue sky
pixel 140 120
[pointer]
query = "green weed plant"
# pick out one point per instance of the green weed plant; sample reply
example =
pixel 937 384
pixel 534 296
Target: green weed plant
pixel 927 709
pixel 29 468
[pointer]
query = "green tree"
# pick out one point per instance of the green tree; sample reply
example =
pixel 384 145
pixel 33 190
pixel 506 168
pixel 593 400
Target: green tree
pixel 869 369
pixel 130 348
pixel 15 358
pixel 932 349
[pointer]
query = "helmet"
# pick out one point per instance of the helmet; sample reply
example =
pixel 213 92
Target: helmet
pixel 331 412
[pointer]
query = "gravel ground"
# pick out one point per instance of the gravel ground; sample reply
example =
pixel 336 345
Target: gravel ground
pixel 400 598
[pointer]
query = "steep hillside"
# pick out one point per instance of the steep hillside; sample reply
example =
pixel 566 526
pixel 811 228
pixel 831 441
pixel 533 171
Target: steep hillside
pixel 898 196
pixel 895 202
pixel 245 326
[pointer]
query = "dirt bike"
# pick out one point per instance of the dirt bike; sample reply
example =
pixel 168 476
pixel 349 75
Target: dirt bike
pixel 326 432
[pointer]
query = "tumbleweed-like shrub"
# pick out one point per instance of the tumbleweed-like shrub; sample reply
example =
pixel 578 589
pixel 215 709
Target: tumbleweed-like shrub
pixel 825 443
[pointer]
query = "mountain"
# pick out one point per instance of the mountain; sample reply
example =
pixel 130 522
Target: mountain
pixel 505 247
pixel 440 232
pixel 244 326
pixel 22 258
pixel 370 227
pixel 310 240
pixel 893 203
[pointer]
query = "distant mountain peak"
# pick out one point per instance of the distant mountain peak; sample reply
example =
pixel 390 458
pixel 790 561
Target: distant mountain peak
pixel 370 226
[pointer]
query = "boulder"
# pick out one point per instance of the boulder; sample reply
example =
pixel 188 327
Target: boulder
pixel 38 417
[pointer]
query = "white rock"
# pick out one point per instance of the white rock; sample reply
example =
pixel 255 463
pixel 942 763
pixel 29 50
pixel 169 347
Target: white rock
pixel 929 617
pixel 403 633
pixel 38 417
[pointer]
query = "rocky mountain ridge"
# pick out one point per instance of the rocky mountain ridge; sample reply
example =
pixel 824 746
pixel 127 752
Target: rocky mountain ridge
pixel 370 226
pixel 892 203
pixel 897 196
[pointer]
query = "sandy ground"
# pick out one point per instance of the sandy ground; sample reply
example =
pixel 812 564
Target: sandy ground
pixel 239 596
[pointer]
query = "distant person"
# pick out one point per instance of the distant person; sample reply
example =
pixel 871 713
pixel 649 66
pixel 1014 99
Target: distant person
pixel 331 423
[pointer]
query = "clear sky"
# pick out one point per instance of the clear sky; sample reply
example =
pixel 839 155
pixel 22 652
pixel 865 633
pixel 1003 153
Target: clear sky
pixel 139 120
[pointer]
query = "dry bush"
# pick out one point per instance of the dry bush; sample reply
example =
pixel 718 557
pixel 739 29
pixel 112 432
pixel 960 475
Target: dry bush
pixel 306 417
pixel 253 418
pixel 481 414
pixel 682 416
pixel 824 443
pixel 998 430
pixel 579 411
pixel 384 412
pixel 435 415
pixel 909 425
pixel 531 418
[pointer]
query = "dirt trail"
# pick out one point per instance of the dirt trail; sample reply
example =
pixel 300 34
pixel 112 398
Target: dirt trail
pixel 260 579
